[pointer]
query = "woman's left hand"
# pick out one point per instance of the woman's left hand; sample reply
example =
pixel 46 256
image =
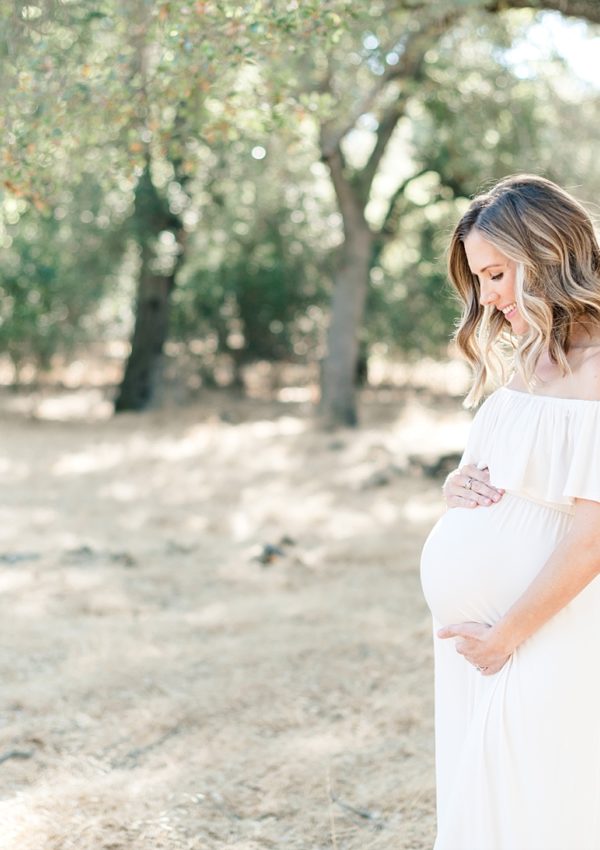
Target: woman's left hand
pixel 476 642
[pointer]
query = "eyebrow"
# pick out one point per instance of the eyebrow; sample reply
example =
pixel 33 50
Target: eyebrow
pixel 485 268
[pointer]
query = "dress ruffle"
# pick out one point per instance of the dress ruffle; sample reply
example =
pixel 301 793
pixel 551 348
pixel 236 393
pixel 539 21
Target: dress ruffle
pixel 542 447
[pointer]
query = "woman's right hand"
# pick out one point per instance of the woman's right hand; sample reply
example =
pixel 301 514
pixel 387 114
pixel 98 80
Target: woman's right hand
pixel 469 487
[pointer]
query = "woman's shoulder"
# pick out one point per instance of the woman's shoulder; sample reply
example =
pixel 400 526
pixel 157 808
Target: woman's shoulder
pixel 582 382
pixel 585 378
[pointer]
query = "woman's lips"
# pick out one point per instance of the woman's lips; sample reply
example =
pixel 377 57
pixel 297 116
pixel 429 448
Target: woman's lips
pixel 510 311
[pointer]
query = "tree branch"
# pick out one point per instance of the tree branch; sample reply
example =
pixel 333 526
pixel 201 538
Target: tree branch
pixel 386 128
pixel 587 9
pixel 415 47
pixel 387 228
pixel 349 199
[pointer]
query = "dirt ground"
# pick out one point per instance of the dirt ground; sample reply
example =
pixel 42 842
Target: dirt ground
pixel 169 682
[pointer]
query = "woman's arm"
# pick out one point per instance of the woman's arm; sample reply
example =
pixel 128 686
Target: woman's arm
pixel 572 566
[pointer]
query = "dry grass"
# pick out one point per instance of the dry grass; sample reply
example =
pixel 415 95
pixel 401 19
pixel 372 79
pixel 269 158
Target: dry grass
pixel 162 688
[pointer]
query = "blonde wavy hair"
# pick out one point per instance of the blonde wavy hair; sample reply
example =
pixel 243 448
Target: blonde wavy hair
pixel 551 238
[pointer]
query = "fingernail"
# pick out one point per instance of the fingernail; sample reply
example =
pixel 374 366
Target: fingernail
pixel 488 502
pixel 496 498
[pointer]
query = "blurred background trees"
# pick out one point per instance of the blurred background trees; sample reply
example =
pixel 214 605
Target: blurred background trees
pixel 265 182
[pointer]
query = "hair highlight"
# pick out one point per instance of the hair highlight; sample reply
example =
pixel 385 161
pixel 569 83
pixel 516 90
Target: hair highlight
pixel 550 237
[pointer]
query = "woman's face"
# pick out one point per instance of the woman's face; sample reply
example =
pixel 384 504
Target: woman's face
pixel 496 274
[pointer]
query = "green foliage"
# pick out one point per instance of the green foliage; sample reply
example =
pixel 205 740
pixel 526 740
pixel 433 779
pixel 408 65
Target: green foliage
pixel 473 122
pixel 259 303
pixel 257 266
pixel 136 79
pixel 227 100
pixel 54 273
pixel 411 308
pixel 94 93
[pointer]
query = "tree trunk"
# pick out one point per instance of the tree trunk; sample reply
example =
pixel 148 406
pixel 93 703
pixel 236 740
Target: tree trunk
pixel 143 371
pixel 338 395
pixel 140 385
pixel 338 377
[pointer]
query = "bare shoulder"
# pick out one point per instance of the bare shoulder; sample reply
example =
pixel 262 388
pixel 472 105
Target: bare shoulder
pixel 587 375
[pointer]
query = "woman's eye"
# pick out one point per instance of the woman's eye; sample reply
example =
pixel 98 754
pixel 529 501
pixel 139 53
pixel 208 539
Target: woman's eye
pixel 497 276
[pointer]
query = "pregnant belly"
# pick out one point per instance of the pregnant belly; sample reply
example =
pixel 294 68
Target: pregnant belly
pixel 476 562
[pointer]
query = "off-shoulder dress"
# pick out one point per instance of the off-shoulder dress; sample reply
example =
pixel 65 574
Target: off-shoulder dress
pixel 518 753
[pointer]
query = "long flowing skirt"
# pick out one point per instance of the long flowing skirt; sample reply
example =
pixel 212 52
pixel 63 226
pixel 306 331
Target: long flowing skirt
pixel 517 753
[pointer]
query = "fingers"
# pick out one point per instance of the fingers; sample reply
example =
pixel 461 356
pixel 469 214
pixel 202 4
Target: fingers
pixel 479 473
pixel 454 631
pixel 492 669
pixel 468 644
pixel 469 487
pixel 463 630
pixel 480 493
pixel 485 494
pixel 480 483
pixel 454 489
pixel 460 502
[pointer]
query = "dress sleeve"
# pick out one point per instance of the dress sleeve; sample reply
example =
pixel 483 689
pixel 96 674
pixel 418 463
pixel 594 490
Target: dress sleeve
pixel 583 472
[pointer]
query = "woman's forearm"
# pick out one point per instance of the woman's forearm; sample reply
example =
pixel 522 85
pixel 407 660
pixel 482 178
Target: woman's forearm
pixel 571 567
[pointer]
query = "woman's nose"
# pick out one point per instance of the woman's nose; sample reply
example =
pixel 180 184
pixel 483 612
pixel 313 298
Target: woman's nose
pixel 487 296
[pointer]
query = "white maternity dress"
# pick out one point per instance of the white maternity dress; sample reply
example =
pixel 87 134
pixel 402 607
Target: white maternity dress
pixel 518 753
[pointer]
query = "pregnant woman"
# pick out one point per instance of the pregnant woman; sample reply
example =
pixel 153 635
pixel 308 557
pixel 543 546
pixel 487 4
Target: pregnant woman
pixel 510 571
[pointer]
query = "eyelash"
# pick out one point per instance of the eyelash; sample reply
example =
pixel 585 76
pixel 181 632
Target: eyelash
pixel 497 276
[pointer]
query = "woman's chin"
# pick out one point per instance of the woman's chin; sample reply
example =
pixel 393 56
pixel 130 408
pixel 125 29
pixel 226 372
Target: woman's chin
pixel 519 326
